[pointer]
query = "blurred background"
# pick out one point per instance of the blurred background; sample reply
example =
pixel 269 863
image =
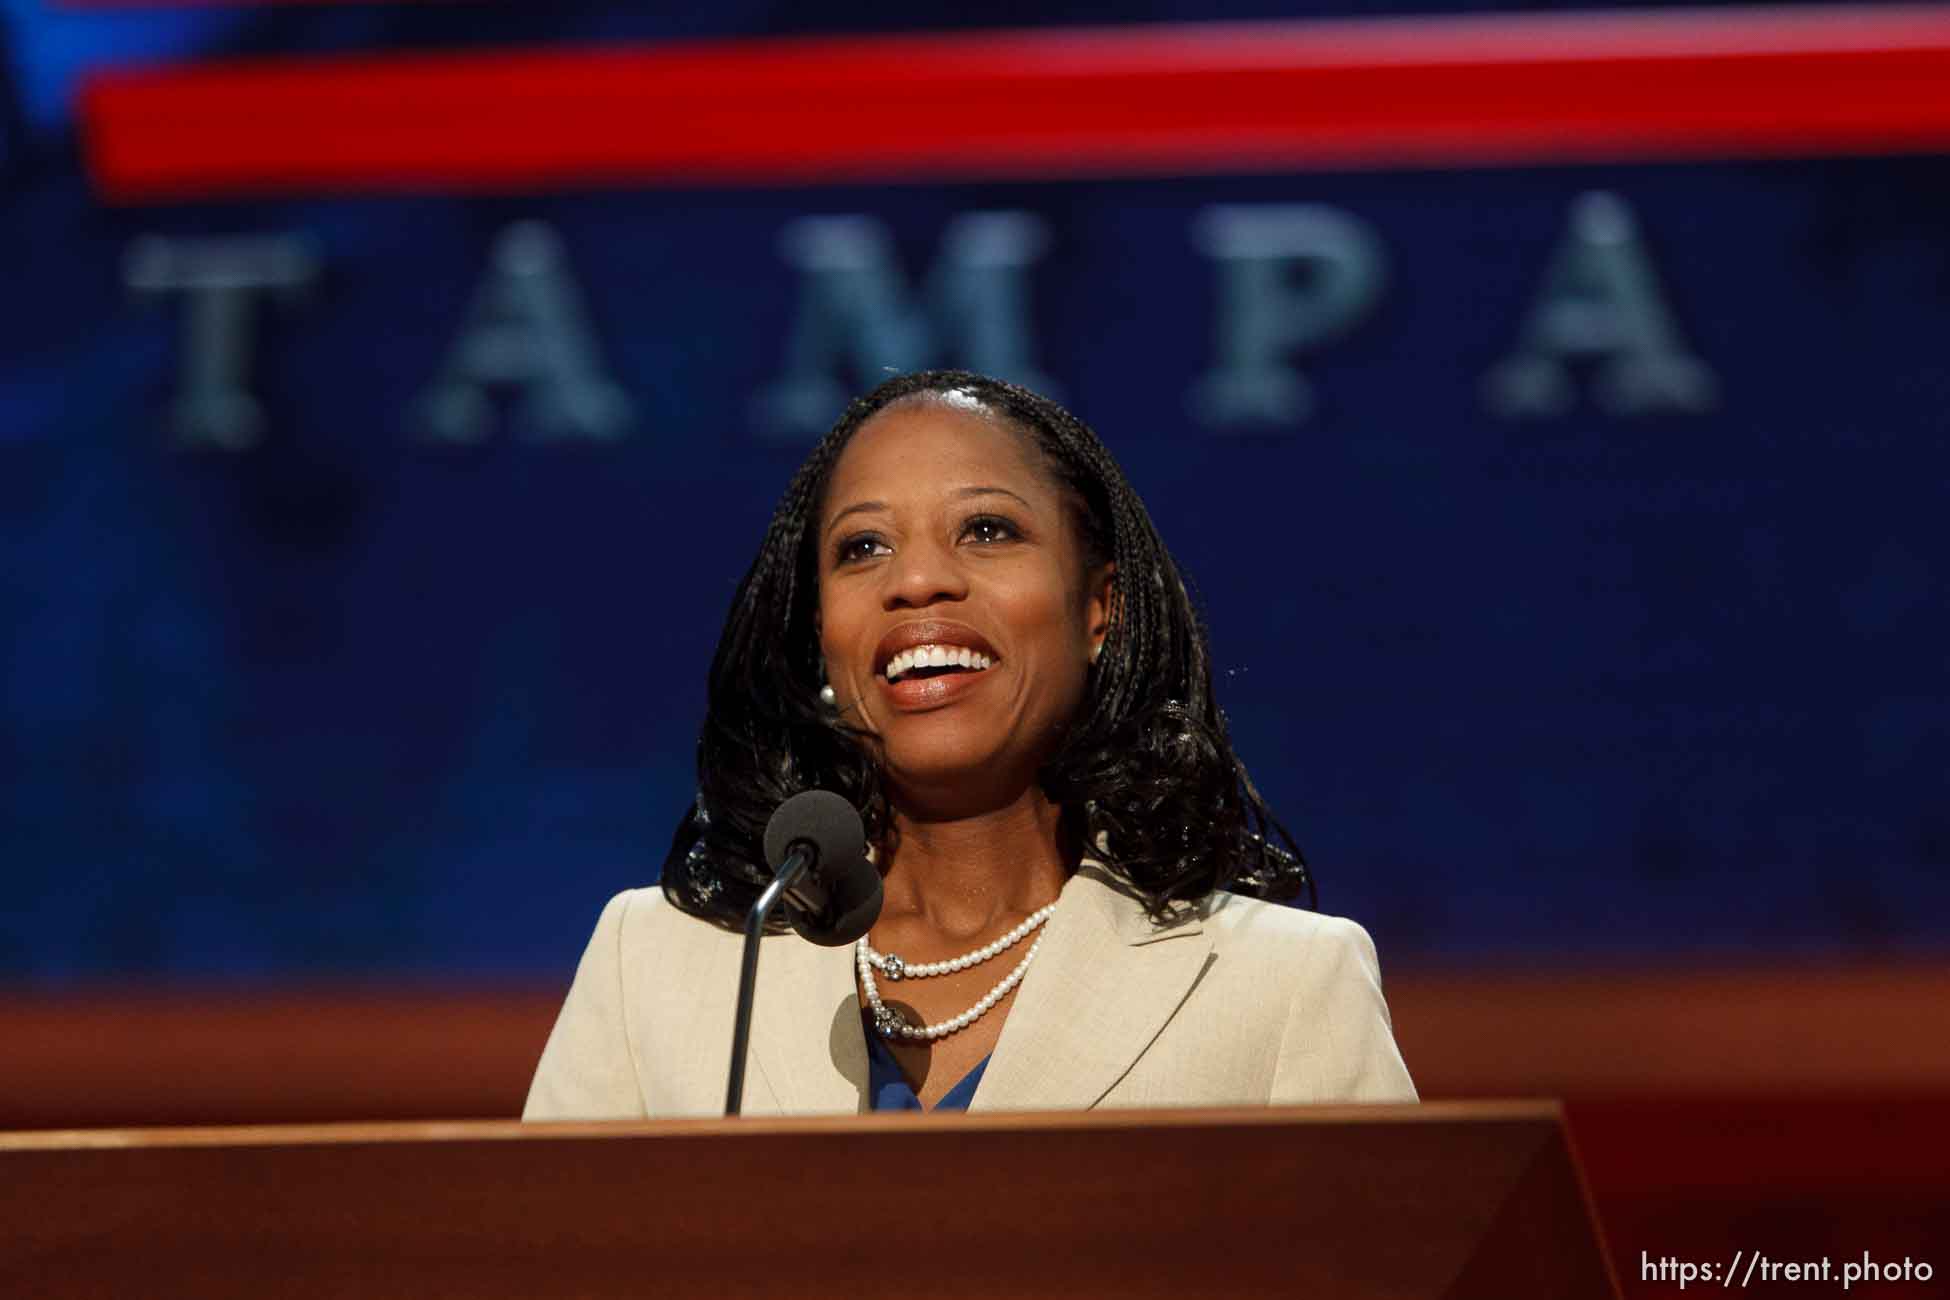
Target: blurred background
pixel 1548 403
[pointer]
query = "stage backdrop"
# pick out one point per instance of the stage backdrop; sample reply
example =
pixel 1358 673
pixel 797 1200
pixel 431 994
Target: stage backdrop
pixel 1571 532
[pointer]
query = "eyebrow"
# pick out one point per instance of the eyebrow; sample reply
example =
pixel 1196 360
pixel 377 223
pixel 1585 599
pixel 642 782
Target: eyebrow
pixel 961 494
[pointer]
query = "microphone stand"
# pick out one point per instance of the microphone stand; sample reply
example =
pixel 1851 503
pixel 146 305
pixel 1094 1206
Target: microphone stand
pixel 796 864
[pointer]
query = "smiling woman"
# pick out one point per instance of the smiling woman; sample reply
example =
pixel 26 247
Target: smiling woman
pixel 962 620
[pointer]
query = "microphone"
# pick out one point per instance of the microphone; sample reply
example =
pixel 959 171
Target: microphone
pixel 817 847
pixel 837 898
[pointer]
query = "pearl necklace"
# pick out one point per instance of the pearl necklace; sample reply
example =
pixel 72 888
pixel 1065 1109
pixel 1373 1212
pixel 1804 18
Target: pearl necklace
pixel 894 968
pixel 892 1024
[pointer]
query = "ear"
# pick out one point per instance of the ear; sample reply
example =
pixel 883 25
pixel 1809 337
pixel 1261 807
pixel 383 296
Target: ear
pixel 1097 593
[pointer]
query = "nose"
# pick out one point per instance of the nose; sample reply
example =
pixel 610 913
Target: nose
pixel 924 574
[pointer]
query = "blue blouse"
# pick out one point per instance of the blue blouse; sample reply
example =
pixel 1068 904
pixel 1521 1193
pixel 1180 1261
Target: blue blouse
pixel 888 1088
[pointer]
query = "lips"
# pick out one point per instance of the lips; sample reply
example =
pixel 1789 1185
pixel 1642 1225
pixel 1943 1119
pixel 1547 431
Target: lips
pixel 930 632
pixel 925 655
pixel 925 694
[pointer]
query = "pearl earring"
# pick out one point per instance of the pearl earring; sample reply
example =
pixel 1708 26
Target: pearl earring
pixel 828 697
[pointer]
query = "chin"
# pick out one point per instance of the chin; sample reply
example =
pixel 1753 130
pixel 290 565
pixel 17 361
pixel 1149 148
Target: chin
pixel 949 761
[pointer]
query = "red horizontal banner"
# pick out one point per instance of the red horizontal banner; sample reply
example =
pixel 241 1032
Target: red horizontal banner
pixel 1156 100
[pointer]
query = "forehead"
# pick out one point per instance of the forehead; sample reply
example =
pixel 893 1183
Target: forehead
pixel 923 446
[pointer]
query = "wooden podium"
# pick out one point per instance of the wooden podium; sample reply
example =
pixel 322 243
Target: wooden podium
pixel 1450 1200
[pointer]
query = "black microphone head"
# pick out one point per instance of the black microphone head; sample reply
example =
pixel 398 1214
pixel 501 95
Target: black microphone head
pixel 852 909
pixel 832 826
pixel 823 819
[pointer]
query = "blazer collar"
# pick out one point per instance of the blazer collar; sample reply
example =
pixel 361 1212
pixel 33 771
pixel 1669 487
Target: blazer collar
pixel 1104 984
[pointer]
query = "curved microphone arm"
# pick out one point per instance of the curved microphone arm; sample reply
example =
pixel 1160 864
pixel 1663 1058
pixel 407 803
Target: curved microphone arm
pixel 797 862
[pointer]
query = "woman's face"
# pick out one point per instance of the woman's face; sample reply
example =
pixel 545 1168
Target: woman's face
pixel 957 617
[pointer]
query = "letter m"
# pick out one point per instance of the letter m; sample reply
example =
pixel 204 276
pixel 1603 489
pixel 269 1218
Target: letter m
pixel 859 321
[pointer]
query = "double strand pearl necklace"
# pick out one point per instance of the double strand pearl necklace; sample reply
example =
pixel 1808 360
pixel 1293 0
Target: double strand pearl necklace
pixel 892 1024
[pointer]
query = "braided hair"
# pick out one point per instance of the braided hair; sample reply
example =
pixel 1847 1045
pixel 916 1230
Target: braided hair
pixel 1146 774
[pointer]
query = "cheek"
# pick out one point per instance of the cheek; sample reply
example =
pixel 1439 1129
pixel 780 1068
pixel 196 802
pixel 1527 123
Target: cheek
pixel 1049 612
pixel 840 635
pixel 829 620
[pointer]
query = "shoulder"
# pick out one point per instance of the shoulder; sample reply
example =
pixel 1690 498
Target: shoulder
pixel 1243 931
pixel 1236 914
pixel 1280 950
pixel 1301 960
pixel 643 923
pixel 647 906
pixel 638 909
pixel 1294 996
pixel 1321 975
pixel 1257 931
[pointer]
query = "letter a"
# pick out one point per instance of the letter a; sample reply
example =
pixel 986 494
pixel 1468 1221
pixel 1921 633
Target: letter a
pixel 526 331
pixel 1600 299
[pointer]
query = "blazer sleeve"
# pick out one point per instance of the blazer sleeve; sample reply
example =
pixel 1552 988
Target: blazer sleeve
pixel 587 1070
pixel 1339 1044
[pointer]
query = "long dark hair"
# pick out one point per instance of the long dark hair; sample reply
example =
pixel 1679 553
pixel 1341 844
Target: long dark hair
pixel 1146 777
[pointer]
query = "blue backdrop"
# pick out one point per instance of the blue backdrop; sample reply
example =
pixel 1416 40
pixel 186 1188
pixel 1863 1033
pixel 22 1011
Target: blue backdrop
pixel 1526 686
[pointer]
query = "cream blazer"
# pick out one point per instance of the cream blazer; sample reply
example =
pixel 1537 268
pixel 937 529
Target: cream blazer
pixel 1237 1002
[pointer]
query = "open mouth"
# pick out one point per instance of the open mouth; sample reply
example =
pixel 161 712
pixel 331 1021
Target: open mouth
pixel 925 661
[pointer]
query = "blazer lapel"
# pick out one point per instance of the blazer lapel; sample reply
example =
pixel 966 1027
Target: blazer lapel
pixel 1105 982
pixel 807 1041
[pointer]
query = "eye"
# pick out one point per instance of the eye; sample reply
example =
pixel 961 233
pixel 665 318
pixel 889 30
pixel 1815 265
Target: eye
pixel 859 546
pixel 990 528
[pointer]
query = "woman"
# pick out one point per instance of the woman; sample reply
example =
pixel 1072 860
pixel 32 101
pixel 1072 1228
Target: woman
pixel 962 619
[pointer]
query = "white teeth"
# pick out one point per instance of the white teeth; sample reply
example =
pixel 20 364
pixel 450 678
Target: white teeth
pixel 935 656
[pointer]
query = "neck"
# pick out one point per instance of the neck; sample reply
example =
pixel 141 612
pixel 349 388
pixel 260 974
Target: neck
pixel 960 875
